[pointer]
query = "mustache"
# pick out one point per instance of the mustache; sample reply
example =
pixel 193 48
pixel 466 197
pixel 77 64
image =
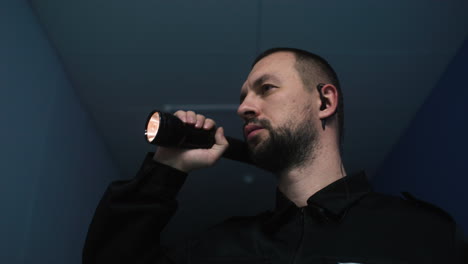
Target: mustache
pixel 258 122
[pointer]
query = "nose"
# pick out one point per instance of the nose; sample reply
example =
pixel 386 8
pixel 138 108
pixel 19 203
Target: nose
pixel 248 109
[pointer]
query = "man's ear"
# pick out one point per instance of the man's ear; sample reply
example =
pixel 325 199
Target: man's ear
pixel 328 100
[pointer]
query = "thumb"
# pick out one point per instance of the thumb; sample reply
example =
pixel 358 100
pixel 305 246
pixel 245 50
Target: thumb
pixel 221 142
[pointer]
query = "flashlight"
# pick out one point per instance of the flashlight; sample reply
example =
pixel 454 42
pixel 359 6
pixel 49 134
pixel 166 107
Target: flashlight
pixel 166 130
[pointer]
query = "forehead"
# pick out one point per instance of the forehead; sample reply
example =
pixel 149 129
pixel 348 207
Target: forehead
pixel 281 65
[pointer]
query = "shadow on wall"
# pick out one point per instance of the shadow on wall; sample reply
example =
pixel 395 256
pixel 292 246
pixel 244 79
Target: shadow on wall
pixel 54 165
pixel 430 159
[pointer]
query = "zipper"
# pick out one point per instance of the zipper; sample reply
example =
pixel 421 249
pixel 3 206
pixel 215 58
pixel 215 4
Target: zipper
pixel 299 245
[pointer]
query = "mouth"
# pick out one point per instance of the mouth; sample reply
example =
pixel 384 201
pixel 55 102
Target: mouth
pixel 251 130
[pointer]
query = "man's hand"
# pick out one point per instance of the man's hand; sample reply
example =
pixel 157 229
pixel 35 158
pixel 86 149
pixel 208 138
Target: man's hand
pixel 187 160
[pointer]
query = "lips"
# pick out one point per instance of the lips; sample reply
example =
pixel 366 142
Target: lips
pixel 248 129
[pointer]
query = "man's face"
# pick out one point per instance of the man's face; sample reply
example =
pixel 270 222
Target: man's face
pixel 278 113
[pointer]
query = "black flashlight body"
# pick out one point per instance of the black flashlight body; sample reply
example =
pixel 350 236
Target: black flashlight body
pixel 172 132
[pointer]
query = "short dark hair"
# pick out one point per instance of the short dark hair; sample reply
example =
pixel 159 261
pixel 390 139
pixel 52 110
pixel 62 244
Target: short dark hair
pixel 313 70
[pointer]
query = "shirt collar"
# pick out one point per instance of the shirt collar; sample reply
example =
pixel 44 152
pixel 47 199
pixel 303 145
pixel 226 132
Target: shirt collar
pixel 330 202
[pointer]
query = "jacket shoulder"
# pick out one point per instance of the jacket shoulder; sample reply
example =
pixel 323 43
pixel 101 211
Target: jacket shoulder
pixel 409 207
pixel 426 206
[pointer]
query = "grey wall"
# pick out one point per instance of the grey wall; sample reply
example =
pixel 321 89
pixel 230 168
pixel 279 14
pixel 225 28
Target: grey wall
pixel 54 166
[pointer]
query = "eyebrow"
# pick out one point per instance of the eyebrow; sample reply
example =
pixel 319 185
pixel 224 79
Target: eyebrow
pixel 259 81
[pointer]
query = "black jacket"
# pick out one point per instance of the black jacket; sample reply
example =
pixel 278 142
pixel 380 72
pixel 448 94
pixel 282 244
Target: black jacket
pixel 343 223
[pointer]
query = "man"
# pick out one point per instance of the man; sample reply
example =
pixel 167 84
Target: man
pixel 292 106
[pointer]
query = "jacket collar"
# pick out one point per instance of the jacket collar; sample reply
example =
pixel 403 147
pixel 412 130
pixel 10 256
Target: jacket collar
pixel 330 203
pixel 337 197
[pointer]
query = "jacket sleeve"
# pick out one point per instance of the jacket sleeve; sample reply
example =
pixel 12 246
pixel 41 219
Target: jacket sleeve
pixel 128 221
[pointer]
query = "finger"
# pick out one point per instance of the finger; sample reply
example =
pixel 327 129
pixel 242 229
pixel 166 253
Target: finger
pixel 182 115
pixel 191 117
pixel 209 124
pixel 200 121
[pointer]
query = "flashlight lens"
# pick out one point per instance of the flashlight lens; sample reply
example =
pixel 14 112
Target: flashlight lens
pixel 152 127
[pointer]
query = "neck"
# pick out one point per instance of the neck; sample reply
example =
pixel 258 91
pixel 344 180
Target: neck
pixel 323 168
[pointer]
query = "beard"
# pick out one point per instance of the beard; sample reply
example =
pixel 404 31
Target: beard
pixel 287 147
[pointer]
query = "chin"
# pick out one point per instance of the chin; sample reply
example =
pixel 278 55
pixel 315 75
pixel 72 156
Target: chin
pixel 252 144
pixel 255 144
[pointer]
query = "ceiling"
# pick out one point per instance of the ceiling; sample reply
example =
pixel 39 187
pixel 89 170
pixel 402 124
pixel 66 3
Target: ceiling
pixel 126 58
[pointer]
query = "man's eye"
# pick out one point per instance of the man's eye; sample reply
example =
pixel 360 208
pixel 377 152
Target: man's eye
pixel 267 87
